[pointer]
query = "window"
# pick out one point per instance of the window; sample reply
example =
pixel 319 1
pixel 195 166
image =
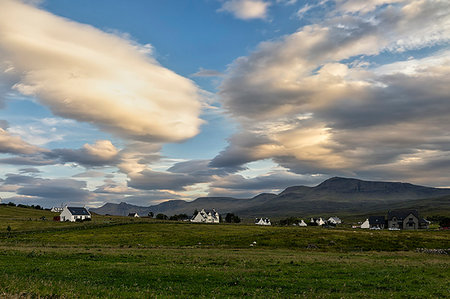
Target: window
pixel 410 219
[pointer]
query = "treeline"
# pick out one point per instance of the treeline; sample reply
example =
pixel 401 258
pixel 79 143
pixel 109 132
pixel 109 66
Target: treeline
pixel 11 204
pixel 229 217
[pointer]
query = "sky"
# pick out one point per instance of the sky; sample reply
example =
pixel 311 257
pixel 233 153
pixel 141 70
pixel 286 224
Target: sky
pixel 148 101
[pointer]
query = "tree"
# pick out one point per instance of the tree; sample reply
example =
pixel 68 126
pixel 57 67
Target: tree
pixel 231 218
pixel 445 222
pixel 179 217
pixel 161 216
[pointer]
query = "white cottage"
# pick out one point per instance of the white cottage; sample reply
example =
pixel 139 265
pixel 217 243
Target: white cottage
pixel 73 214
pixel 320 222
pixel 334 220
pixel 57 209
pixel 206 217
pixel 365 224
pixel 135 215
pixel 263 221
pixel 302 223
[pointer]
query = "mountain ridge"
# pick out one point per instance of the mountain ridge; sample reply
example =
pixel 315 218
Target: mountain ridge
pixel 333 195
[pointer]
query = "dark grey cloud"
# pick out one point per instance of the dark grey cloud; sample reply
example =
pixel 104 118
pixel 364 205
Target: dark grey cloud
pixel 4 124
pixel 273 181
pixel 202 168
pixel 33 160
pixel 155 180
pixel 17 179
pixel 241 150
pixel 47 192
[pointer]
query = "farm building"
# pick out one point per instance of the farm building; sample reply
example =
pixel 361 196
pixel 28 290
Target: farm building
pixel 406 219
pixel 262 221
pixel 398 219
pixel 377 222
pixel 73 214
pixel 365 224
pixel 320 222
pixel 302 223
pixel 136 215
pixel 206 217
pixel 56 209
pixel 334 220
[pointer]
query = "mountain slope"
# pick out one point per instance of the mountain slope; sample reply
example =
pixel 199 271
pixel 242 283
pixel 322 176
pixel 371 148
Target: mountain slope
pixel 334 195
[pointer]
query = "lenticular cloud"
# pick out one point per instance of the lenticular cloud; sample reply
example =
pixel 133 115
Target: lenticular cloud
pixel 85 74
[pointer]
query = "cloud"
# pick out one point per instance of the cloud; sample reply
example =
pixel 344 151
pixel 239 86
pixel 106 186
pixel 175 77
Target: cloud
pixel 157 180
pixel 89 174
pixel 47 192
pixel 246 9
pixel 286 2
pixel 35 160
pixel 271 182
pixel 207 73
pixel 84 74
pixel 15 145
pixel 315 101
pixel 103 152
pixel 4 124
pixel 29 170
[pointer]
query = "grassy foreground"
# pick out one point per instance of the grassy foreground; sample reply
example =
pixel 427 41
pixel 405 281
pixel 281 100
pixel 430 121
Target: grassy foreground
pixel 118 257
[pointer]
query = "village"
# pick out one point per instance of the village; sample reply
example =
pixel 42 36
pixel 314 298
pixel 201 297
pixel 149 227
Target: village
pixel 394 220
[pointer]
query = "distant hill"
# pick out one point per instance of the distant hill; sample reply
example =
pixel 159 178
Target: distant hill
pixel 333 196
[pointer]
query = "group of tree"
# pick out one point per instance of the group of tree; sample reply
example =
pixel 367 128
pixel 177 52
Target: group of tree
pixel 179 217
pixel 11 204
pixel 231 218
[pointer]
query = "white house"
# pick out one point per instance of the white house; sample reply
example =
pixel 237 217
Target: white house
pixel 263 221
pixel 334 220
pixel 302 223
pixel 136 215
pixel 73 214
pixel 56 209
pixel 320 222
pixel 206 217
pixel 365 224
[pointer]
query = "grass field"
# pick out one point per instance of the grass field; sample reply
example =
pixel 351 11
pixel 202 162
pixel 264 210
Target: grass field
pixel 118 257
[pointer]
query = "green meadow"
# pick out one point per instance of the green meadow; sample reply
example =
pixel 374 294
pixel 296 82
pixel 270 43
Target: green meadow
pixel 120 257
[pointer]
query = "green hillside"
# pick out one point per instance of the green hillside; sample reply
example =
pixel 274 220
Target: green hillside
pixel 124 257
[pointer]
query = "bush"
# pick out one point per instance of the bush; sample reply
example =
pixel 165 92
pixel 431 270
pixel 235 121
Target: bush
pixel 161 216
pixel 179 217
pixel 231 218
pixel 445 222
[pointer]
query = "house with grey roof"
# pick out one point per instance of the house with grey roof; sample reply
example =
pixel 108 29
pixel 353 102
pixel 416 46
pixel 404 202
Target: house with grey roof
pixel 406 219
pixel 206 217
pixel 262 221
pixel 334 220
pixel 377 222
pixel 73 214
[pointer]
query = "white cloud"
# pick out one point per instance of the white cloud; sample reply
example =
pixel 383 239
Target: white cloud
pixel 311 101
pixel 85 74
pixel 246 9
pixel 15 145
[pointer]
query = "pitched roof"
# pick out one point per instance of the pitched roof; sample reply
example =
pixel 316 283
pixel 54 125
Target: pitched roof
pixel 376 220
pixel 78 211
pixel 402 214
